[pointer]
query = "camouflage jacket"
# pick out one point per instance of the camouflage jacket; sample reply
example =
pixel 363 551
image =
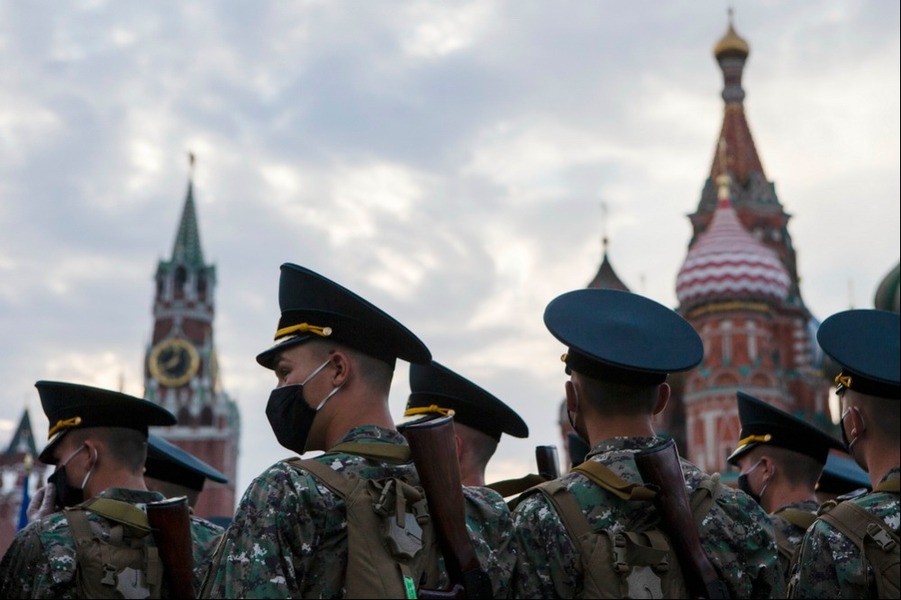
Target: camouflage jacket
pixel 289 534
pixel 829 565
pixel 40 563
pixel 790 532
pixel 736 533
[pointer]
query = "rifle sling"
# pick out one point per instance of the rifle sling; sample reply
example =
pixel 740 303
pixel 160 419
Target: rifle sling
pixel 613 483
pixel 120 512
pixel 392 453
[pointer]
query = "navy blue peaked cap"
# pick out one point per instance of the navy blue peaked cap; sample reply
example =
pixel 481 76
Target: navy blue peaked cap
pixel 313 306
pixel 168 462
pixel 763 423
pixel 622 337
pixel 867 345
pixel 841 475
pixel 71 406
pixel 435 384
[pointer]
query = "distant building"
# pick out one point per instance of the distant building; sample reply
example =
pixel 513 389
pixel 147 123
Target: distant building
pixel 181 368
pixel 739 287
pixel 18 467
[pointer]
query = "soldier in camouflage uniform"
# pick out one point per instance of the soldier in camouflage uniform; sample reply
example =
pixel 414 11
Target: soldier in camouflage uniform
pixel 479 417
pixel 99 440
pixel 620 349
pixel 780 459
pixel 173 472
pixel 334 359
pixel 865 343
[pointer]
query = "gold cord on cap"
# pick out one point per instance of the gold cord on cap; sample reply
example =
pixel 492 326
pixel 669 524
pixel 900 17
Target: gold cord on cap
pixel 434 408
pixel 754 438
pixel 843 381
pixel 304 327
pixel 64 424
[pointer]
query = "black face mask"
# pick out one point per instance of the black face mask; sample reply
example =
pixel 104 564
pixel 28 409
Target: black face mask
pixel 290 417
pixel 67 494
pixel 745 486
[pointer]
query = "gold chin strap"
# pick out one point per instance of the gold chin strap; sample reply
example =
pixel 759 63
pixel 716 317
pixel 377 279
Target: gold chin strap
pixel 434 408
pixel 754 438
pixel 64 424
pixel 305 328
pixel 843 381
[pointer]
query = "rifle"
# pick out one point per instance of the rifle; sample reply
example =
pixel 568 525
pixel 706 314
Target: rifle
pixel 660 468
pixel 548 463
pixel 434 450
pixel 171 524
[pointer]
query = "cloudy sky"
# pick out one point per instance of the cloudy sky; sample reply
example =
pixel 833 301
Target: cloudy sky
pixel 447 161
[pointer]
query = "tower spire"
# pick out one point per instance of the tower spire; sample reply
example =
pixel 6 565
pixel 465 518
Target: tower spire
pixel 186 249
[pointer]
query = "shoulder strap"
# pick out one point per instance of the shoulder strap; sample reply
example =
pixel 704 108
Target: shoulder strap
pixel 81 529
pixel 340 484
pixel 799 518
pixel 613 483
pixel 510 487
pixel 857 524
pixel 120 512
pixel 570 512
pixel 703 497
pixel 892 486
pixel 392 453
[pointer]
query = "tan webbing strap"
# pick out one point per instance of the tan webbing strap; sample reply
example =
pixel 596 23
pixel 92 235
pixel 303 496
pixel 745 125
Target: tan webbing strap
pixel 568 509
pixel 335 481
pixel 857 523
pixel 81 529
pixel 510 487
pixel 392 453
pixel 704 496
pixel 613 483
pixel 120 512
pixel 892 486
pixel 799 518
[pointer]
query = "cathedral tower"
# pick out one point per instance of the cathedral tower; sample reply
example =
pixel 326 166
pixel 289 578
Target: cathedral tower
pixel 181 369
pixel 739 288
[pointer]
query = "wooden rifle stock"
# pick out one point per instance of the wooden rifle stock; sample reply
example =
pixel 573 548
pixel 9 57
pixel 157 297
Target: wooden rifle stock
pixel 434 449
pixel 171 523
pixel 660 467
pixel 548 463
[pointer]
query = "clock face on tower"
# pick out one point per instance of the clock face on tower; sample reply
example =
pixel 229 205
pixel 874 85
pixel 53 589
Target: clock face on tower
pixel 173 362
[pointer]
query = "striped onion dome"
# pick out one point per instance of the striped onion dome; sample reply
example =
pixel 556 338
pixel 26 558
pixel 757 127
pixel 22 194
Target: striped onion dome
pixel 726 262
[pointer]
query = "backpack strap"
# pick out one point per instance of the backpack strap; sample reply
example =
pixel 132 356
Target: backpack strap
pixel 121 512
pixel 603 476
pixel 570 512
pixel 391 453
pixel 341 484
pixel 858 524
pixel 892 486
pixel 510 487
pixel 799 518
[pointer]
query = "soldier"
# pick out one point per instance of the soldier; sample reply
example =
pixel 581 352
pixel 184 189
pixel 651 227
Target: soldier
pixel 780 458
pixel 621 347
pixel 99 546
pixel 479 417
pixel 830 562
pixel 842 477
pixel 334 358
pixel 173 472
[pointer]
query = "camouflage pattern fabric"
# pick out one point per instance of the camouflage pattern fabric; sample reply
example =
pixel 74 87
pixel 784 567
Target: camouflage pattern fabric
pixel 736 533
pixel 289 539
pixel 40 563
pixel 790 532
pixel 829 564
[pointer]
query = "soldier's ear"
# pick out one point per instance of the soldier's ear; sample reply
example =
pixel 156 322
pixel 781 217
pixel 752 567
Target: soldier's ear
pixel 663 394
pixel 342 367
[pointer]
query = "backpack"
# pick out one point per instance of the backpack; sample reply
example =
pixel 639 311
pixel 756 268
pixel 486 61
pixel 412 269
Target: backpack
pixel 123 566
pixel 392 550
pixel 878 544
pixel 625 564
